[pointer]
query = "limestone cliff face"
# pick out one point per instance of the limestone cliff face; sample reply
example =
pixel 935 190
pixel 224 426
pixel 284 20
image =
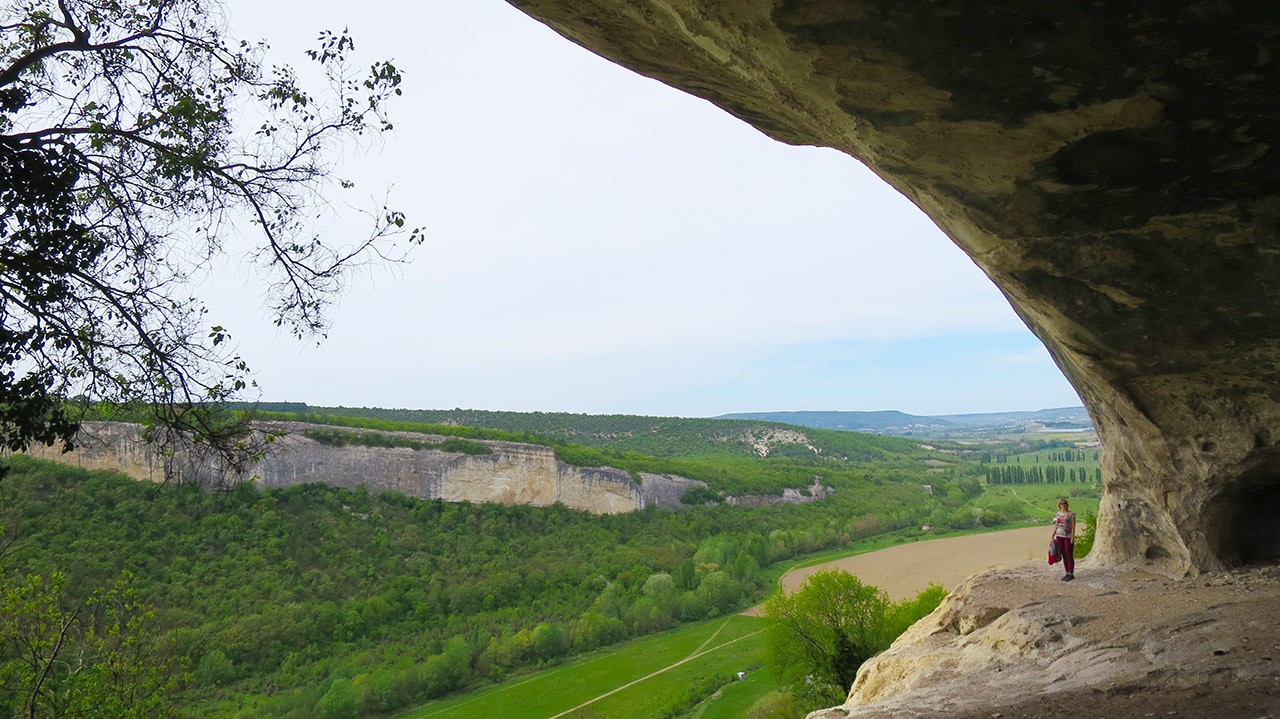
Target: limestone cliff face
pixel 117 447
pixel 1111 168
pixel 514 473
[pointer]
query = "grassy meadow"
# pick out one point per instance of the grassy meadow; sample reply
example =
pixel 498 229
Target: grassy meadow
pixel 642 679
pixel 733 700
pixel 316 602
pixel 1041 500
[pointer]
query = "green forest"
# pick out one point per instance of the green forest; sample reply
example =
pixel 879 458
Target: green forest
pixel 313 601
pixel 128 164
pixel 718 452
pixel 285 592
pixel 651 436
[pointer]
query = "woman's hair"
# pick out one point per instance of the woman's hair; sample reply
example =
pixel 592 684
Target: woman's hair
pixel 1064 503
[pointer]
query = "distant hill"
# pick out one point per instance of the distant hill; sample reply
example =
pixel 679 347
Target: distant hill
pixel 833 433
pixel 892 422
pixel 1074 417
pixel 882 422
pixel 652 436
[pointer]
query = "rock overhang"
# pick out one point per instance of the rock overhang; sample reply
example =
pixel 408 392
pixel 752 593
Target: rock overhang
pixel 1111 167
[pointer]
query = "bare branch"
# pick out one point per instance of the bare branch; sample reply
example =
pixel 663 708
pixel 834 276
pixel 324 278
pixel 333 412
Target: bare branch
pixel 120 162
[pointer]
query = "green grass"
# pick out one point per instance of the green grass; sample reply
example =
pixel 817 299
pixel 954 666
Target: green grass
pixel 548 693
pixel 1041 458
pixel 733 701
pixel 720 646
pixel 1040 500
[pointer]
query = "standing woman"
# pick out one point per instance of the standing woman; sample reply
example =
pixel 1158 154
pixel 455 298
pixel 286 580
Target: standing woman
pixel 1064 536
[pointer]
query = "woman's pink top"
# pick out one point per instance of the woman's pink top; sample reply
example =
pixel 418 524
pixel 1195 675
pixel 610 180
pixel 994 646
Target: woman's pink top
pixel 1065 524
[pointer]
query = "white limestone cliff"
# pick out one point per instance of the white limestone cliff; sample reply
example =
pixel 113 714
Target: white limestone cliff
pixel 513 473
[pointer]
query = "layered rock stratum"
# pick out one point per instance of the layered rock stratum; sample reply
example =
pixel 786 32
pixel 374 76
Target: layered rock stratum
pixel 512 472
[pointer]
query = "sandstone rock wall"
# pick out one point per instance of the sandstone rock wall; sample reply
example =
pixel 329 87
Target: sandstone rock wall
pixel 514 473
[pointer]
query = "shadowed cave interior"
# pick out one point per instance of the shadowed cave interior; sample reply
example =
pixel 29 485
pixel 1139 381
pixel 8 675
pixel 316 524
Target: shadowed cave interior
pixel 1242 516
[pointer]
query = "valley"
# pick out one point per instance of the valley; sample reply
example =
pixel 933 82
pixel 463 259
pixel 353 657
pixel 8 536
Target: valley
pixel 356 598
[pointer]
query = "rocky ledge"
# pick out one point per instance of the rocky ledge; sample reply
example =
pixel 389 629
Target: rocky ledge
pixel 1018 643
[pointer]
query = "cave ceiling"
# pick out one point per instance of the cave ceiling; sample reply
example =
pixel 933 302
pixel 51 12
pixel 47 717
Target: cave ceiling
pixel 1110 166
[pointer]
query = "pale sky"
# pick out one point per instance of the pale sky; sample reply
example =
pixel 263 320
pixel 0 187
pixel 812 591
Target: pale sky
pixel 599 242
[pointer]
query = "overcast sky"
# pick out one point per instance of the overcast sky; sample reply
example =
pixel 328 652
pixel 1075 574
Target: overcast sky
pixel 598 242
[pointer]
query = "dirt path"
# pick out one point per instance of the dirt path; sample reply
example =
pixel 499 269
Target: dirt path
pixel 903 571
pixel 651 675
pixel 1026 501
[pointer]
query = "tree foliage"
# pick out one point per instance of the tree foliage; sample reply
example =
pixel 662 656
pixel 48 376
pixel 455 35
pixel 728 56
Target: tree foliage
pixel 94 659
pixel 821 634
pixel 654 436
pixel 284 591
pixel 688 448
pixel 136 137
pixel 340 438
pixel 1085 540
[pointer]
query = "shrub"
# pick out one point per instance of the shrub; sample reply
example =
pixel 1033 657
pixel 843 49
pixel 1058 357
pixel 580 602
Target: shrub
pixel 345 438
pixel 820 634
pixel 699 494
pixel 1084 541
pixel 776 705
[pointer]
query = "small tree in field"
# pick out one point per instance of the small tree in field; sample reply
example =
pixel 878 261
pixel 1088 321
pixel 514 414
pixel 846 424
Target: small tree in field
pixel 821 634
pixel 135 136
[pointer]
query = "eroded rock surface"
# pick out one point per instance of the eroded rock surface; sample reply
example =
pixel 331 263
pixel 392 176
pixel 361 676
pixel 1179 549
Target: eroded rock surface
pixel 513 473
pixel 1017 643
pixel 1112 167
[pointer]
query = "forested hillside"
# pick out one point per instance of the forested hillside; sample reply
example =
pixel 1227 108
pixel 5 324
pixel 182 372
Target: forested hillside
pixel 320 602
pixel 847 421
pixel 733 457
pixel 314 601
pixel 655 436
